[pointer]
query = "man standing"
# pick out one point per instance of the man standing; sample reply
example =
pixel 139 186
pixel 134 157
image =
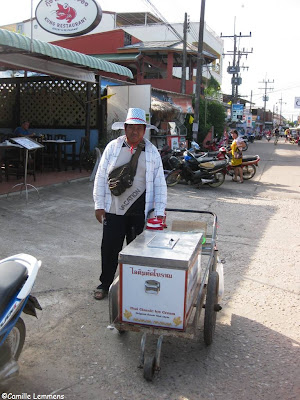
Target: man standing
pixel 124 215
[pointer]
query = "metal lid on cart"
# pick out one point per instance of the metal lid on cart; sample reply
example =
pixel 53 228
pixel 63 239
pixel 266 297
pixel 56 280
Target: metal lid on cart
pixel 163 249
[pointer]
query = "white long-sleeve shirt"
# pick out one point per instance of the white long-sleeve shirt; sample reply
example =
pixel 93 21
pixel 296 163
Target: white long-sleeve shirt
pixel 156 188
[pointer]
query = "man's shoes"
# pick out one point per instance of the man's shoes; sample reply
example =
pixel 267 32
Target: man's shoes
pixel 100 293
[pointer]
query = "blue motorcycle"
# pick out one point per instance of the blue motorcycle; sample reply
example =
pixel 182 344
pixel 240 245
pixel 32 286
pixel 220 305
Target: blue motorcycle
pixel 17 277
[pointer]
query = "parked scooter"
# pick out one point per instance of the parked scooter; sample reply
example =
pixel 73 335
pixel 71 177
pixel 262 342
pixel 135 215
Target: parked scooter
pixel 245 140
pixel 17 277
pixel 166 153
pixel 249 164
pixel 294 140
pixel 251 138
pixel 196 172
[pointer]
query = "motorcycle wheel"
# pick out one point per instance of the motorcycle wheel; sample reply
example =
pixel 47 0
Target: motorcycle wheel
pixel 249 171
pixel 14 342
pixel 246 147
pixel 173 178
pixel 220 178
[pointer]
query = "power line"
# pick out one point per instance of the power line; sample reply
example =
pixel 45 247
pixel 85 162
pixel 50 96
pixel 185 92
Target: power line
pixel 265 98
pixel 236 80
pixel 159 15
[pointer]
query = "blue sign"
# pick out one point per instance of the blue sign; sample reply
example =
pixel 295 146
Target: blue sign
pixel 237 112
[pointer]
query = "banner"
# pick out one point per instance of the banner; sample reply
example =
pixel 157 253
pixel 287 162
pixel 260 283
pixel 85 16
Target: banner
pixel 297 102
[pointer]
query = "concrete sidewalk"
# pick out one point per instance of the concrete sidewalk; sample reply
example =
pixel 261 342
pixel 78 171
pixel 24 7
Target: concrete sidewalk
pixel 42 179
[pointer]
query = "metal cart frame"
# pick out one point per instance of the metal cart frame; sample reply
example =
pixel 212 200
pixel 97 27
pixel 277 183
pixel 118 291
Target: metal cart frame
pixel 207 298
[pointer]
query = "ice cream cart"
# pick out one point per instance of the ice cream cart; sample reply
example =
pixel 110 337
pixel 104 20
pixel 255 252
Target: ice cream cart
pixel 165 279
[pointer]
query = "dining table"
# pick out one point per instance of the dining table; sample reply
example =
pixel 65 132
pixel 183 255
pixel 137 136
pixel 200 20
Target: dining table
pixel 59 149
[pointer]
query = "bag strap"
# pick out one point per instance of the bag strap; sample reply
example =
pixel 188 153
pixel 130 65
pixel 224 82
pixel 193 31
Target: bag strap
pixel 134 158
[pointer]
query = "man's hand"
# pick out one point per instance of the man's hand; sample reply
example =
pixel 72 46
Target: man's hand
pixel 100 214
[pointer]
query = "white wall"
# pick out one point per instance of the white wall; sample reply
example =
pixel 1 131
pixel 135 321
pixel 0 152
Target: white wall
pixel 125 97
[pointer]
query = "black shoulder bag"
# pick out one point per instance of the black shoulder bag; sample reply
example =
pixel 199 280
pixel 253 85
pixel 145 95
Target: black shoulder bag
pixel 122 177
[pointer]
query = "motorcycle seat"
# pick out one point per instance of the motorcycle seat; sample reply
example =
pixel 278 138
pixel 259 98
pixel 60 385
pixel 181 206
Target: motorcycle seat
pixel 214 165
pixel 12 278
pixel 205 159
pixel 249 158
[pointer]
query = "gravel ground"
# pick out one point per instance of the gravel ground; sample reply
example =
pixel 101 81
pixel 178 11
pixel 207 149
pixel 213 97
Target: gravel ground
pixel 69 350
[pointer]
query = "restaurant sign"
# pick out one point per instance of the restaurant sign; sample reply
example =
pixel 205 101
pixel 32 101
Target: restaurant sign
pixel 68 18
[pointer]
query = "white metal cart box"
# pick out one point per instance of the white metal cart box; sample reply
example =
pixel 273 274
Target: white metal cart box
pixel 159 275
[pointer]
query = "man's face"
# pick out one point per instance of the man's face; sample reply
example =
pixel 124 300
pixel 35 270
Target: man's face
pixel 134 133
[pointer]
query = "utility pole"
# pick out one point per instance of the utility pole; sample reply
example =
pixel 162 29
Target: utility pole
pixel 280 102
pixel 199 72
pixel 234 69
pixel 183 76
pixel 265 98
pixel 251 101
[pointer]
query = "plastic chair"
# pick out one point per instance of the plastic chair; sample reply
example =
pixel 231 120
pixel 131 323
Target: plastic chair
pixel 14 163
pixel 46 156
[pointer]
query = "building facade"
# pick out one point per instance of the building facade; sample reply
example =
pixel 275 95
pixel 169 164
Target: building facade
pixel 144 33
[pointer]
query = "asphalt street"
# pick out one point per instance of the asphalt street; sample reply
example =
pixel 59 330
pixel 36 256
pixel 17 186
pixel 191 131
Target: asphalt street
pixel 69 349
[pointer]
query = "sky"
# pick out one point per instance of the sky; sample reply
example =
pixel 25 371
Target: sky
pixel 275 40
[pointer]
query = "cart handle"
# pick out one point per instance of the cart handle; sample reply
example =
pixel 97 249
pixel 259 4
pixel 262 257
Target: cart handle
pixel 214 228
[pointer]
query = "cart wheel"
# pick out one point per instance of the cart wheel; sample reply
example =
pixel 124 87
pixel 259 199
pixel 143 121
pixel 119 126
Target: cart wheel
pixel 149 367
pixel 211 307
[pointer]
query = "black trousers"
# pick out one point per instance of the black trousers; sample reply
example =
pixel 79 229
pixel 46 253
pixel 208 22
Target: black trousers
pixel 115 229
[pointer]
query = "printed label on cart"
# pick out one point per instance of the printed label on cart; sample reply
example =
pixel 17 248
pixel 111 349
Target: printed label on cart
pixel 194 276
pixel 153 296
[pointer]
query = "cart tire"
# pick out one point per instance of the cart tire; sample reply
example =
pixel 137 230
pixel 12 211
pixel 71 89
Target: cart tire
pixel 173 178
pixel 149 367
pixel 210 309
pixel 249 171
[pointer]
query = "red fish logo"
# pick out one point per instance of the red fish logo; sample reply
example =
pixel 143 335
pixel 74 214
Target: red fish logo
pixel 65 12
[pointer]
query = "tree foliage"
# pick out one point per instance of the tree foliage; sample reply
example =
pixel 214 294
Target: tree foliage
pixel 211 113
pixel 217 117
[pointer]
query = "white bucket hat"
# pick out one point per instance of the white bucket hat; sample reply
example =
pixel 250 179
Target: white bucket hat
pixel 134 116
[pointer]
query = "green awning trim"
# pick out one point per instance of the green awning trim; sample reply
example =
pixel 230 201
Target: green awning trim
pixel 118 57
pixel 21 42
